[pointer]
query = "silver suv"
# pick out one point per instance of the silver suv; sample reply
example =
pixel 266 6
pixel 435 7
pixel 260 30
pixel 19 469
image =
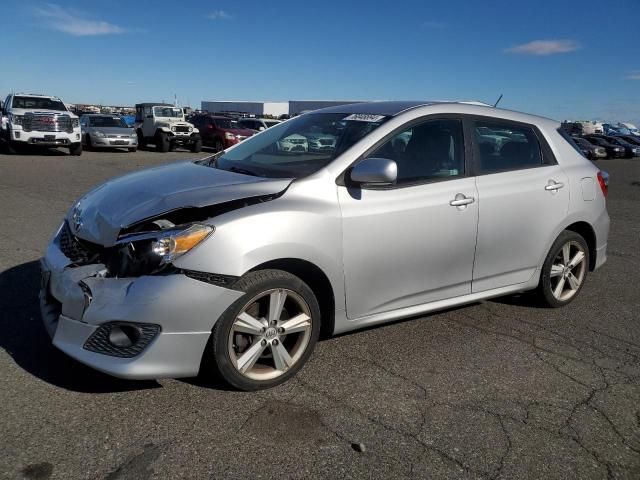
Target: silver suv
pixel 241 260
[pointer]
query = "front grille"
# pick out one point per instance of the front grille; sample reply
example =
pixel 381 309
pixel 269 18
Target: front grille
pixel 47 123
pixel 74 249
pixel 99 340
pixel 182 129
pixel 326 141
pixel 297 141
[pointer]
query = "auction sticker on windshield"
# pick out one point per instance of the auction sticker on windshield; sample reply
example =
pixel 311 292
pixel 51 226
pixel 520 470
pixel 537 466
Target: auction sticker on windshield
pixel 364 117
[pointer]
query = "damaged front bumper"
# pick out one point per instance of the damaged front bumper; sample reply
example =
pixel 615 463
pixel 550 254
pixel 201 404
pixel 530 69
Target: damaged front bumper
pixel 154 326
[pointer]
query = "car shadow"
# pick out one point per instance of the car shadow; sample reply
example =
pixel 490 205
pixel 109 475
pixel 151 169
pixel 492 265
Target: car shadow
pixel 23 337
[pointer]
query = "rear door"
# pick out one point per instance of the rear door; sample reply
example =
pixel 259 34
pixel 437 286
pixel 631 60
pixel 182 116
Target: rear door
pixel 524 196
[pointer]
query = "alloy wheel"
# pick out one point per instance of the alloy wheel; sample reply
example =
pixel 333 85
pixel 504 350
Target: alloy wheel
pixel 270 334
pixel 567 271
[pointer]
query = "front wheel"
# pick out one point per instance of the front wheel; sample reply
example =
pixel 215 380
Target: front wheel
pixel 75 149
pixel 564 270
pixel 196 145
pixel 218 146
pixel 267 335
pixel 162 142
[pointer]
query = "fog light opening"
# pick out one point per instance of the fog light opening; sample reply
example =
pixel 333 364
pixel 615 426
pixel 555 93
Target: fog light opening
pixel 124 335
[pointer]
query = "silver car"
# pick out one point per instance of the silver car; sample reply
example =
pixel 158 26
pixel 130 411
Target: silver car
pixel 241 260
pixel 107 131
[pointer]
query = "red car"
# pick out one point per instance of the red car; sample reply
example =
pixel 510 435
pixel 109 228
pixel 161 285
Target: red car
pixel 220 132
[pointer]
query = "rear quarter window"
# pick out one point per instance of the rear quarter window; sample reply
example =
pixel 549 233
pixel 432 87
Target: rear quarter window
pixel 569 140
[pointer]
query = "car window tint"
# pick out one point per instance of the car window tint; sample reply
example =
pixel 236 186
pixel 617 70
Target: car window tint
pixel 506 146
pixel 426 151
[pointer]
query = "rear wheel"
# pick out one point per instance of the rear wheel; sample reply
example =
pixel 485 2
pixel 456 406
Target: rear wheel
pixel 162 142
pixel 564 270
pixel 266 336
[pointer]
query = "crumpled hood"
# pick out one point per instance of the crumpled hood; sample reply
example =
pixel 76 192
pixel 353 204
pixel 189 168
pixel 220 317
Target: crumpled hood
pixel 129 199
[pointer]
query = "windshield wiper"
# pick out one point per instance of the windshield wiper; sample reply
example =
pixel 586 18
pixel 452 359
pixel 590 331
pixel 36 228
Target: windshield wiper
pixel 243 171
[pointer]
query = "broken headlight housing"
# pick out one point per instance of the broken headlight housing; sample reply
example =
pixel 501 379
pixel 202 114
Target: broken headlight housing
pixel 150 252
pixel 172 244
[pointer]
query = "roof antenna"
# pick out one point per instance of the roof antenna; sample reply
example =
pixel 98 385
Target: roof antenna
pixel 497 101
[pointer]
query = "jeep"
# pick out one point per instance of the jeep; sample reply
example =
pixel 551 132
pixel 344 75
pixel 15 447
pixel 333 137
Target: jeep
pixel 164 126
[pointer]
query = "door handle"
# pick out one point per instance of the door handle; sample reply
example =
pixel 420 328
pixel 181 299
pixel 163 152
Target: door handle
pixel 461 200
pixel 554 186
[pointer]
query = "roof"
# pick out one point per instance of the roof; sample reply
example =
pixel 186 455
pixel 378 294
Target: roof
pixel 388 109
pixel 391 109
pixel 152 104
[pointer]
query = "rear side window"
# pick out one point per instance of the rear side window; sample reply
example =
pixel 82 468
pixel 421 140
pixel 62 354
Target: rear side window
pixel 504 146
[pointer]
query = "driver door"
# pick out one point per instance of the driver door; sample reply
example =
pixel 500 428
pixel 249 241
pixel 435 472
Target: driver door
pixel 406 244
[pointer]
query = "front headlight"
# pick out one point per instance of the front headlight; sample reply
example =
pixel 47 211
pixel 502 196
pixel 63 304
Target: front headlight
pixel 229 136
pixel 173 129
pixel 98 134
pixel 16 119
pixel 172 244
pixel 75 122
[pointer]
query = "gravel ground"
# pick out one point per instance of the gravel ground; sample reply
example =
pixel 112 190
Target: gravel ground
pixel 498 389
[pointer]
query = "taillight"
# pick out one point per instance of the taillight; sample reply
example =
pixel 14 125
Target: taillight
pixel 603 180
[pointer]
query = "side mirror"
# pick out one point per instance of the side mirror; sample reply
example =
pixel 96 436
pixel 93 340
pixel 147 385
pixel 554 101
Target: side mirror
pixel 375 171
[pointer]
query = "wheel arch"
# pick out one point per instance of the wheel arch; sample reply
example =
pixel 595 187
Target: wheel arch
pixel 588 233
pixel 316 279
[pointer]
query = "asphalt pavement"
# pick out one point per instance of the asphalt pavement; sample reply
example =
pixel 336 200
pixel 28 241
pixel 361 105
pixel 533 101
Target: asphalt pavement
pixel 499 389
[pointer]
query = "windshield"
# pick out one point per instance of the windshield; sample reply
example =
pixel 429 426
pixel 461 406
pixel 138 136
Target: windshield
pixel 167 112
pixel 226 123
pixel 300 146
pixel 38 103
pixel 107 122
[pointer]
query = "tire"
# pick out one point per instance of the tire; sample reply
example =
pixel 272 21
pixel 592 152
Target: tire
pixel 162 142
pixel 75 149
pixel 88 144
pixel 555 271
pixel 142 142
pixel 228 345
pixel 10 147
pixel 132 150
pixel 218 146
pixel 196 145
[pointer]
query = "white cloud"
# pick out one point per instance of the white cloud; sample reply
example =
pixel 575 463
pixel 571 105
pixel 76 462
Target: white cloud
pixel 545 47
pixel 219 15
pixel 633 76
pixel 73 22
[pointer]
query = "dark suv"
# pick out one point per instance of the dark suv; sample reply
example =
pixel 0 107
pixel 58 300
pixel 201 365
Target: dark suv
pixel 613 151
pixel 220 132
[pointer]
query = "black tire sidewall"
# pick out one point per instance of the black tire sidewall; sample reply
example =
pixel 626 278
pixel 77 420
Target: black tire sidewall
pixel 162 142
pixel 545 290
pixel 253 284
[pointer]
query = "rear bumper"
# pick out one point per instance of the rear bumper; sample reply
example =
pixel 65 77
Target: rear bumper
pixel 76 301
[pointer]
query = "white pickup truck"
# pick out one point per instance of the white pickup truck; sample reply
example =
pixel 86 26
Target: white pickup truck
pixel 42 120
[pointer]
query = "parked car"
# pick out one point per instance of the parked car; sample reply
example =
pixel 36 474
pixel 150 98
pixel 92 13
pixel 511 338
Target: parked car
pixel 107 131
pixel 295 143
pixel 633 130
pixel 238 261
pixel 613 151
pixel 630 150
pixel 164 126
pixel 220 132
pixel 632 139
pixel 258 124
pixel 591 151
pixel 39 120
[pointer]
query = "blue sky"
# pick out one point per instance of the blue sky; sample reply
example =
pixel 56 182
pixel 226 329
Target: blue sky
pixel 546 57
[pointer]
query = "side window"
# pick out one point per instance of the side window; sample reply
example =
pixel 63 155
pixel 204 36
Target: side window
pixel 427 151
pixel 147 111
pixel 506 146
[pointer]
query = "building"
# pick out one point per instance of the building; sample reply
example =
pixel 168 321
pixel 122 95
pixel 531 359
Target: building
pixel 273 109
